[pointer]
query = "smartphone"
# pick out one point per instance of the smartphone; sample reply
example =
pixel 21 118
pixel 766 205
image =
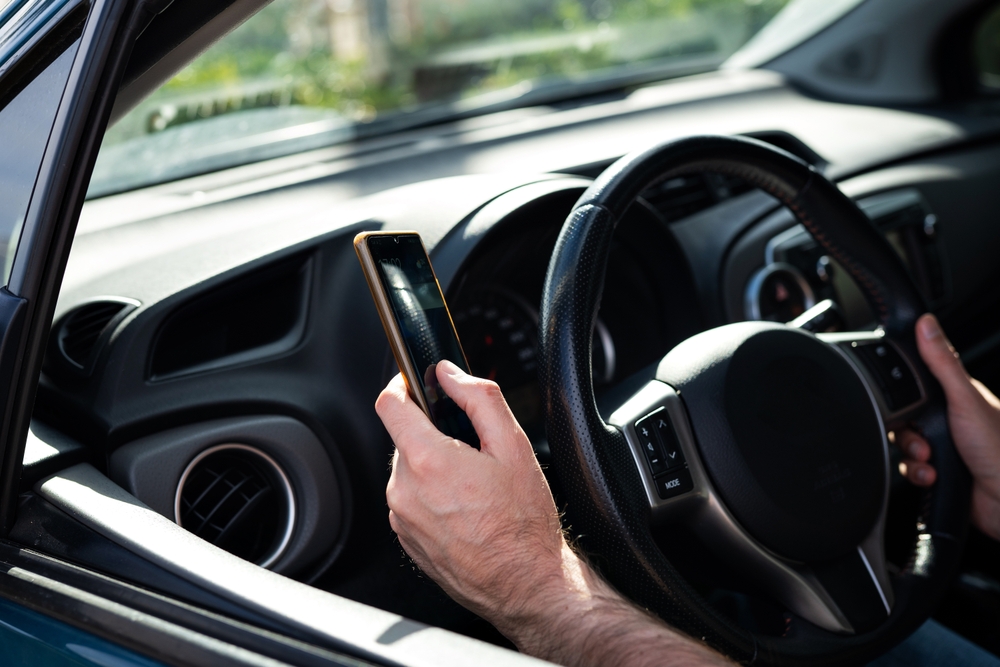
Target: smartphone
pixel 417 322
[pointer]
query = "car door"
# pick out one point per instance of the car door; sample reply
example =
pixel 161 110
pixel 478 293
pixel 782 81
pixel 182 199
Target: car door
pixel 60 64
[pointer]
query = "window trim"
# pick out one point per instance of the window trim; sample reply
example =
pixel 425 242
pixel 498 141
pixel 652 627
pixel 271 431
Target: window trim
pixel 49 38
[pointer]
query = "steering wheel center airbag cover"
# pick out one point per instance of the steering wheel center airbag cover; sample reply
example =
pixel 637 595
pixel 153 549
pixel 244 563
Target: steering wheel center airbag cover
pixel 789 435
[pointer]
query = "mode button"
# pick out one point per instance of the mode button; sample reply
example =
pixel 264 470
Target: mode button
pixel 674 484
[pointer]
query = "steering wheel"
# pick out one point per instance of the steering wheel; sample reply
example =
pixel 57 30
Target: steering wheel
pixel 766 441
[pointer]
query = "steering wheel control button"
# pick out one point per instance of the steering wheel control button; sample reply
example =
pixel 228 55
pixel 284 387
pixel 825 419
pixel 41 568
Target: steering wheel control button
pixel 650 445
pixel 674 484
pixel 891 372
pixel 668 439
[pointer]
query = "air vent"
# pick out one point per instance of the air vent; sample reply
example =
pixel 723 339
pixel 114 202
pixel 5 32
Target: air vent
pixel 80 335
pixel 239 499
pixel 683 196
pixel 791 144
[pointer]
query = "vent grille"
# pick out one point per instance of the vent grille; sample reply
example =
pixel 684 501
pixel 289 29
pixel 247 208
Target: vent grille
pixel 683 196
pixel 83 331
pixel 240 500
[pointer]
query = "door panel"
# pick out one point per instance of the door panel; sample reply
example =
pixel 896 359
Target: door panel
pixel 32 640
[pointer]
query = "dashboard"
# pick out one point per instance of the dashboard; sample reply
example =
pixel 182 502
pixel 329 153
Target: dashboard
pixel 229 311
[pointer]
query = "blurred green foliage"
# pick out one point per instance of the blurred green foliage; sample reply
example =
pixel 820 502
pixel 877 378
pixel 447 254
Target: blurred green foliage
pixel 408 52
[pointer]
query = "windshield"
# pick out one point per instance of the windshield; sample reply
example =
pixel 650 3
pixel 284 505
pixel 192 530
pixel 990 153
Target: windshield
pixel 303 74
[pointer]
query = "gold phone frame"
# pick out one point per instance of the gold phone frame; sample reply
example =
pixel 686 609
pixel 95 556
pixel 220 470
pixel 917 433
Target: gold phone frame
pixel 385 312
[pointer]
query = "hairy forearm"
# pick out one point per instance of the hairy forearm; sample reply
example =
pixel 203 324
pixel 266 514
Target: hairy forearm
pixel 580 621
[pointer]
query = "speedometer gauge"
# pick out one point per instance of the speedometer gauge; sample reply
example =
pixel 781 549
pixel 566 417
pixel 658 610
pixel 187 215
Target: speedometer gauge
pixel 499 333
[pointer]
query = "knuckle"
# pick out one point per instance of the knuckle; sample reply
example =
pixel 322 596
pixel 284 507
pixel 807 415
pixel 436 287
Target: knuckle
pixel 392 494
pixel 490 390
pixel 383 404
pixel 421 461
pixel 400 502
pixel 395 523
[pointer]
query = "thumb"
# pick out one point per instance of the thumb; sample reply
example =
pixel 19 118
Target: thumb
pixel 485 406
pixel 939 355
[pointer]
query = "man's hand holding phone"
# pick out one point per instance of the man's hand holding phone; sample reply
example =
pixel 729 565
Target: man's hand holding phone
pixel 472 501
pixel 475 521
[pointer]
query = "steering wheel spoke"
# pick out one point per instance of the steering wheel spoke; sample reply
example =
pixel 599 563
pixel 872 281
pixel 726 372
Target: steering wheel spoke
pixel 841 595
pixel 660 439
pixel 885 368
pixel 855 591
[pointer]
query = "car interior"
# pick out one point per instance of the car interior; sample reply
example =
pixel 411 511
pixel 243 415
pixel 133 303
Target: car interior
pixel 204 426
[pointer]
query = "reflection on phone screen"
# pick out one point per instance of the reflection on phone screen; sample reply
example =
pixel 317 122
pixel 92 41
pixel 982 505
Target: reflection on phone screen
pixel 424 323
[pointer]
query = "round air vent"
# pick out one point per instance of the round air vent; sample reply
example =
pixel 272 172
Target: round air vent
pixel 239 499
pixel 81 333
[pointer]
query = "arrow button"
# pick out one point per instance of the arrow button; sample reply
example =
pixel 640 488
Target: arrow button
pixel 651 446
pixel 668 441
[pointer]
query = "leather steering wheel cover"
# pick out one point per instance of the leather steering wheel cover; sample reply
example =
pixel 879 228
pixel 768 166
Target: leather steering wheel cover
pixel 605 501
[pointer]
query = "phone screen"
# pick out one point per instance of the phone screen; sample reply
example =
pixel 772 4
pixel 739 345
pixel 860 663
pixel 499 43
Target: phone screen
pixel 426 328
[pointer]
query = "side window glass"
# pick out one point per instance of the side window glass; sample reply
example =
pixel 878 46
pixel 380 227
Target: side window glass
pixel 986 47
pixel 25 124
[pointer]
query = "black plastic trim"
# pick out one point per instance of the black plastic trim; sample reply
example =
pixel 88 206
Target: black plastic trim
pixel 182 346
pixel 58 359
pixel 13 310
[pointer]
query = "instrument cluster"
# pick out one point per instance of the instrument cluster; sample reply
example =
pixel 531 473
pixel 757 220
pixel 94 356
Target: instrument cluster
pixel 649 303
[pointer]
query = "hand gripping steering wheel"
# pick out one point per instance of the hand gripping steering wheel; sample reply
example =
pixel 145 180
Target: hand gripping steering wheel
pixel 767 441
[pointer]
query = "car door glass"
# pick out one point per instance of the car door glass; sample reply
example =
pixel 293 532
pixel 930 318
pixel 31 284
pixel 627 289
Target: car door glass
pixel 25 124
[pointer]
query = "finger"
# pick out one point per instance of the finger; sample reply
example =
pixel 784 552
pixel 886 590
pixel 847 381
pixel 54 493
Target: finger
pixel 913 445
pixel 939 355
pixel 990 397
pixel 406 423
pixel 485 406
pixel 919 474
